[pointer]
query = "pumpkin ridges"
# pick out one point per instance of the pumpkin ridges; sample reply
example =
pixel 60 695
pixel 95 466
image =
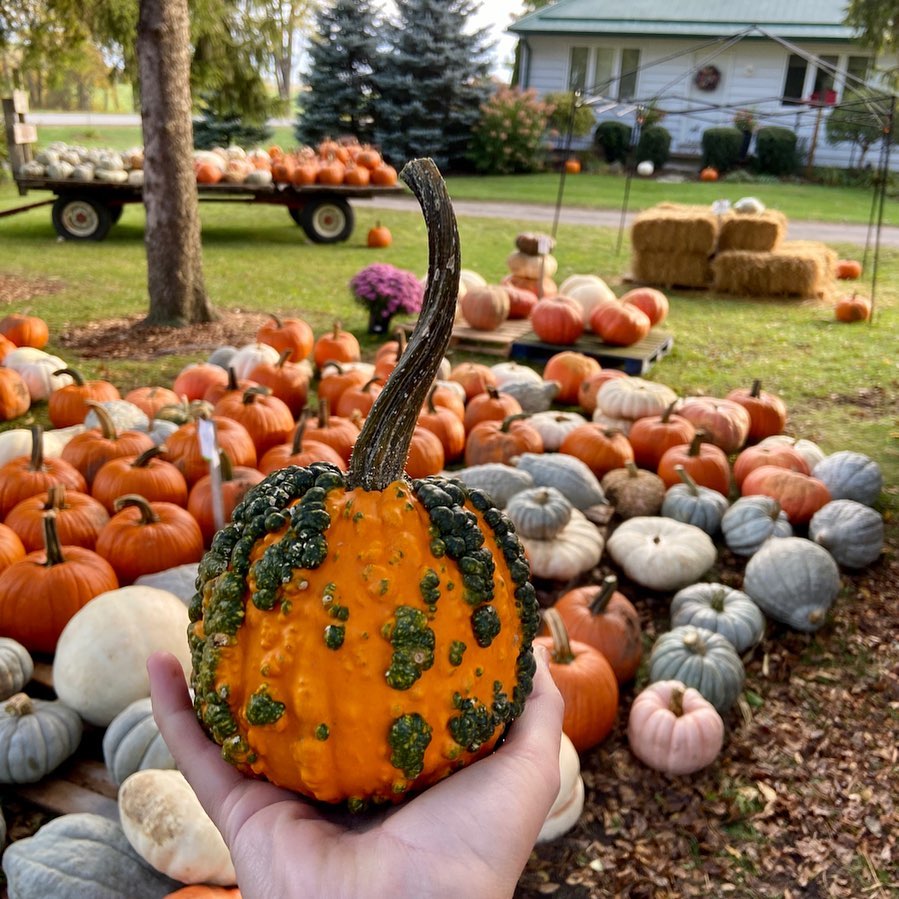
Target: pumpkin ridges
pixel 79 518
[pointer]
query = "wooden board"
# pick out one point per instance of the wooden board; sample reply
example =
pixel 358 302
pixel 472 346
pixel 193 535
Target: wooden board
pixel 80 785
pixel 634 360
pixel 490 343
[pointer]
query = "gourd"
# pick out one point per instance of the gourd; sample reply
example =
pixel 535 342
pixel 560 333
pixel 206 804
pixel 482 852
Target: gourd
pixel 850 475
pixel 661 553
pixel 721 609
pixel 569 803
pixel 100 662
pixel 793 581
pixel 701 659
pixel 168 828
pixel 692 504
pixel 850 531
pixel 16 667
pixel 132 742
pixel 569 475
pixel 633 491
pixel 36 737
pixel 80 856
pixel 531 396
pixel 750 521
pixel 575 549
pixel 672 728
pixel 497 479
pixel 348 576
pixel 539 513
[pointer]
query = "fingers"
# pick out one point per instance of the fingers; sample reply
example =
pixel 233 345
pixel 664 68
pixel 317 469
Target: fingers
pixel 538 731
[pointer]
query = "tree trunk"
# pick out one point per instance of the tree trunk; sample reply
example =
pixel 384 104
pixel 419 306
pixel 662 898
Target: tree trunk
pixel 174 256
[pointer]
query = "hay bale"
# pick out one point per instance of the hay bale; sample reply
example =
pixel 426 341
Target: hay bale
pixel 796 269
pixel 760 232
pixel 675 228
pixel 662 269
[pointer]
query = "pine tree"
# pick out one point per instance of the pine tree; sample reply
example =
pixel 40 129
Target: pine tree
pixel 430 83
pixel 338 99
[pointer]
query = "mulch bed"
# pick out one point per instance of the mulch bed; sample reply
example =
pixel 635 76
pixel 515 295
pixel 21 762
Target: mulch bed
pixel 16 291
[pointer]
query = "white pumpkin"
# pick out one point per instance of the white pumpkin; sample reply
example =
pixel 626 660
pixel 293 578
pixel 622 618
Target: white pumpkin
pixel 662 553
pixel 251 355
pixel 56 439
pixel 809 450
pixel 331 368
pixel 575 549
pixel 611 423
pixel 554 426
pixel 589 291
pixel 37 371
pixel 168 828
pixel 100 662
pixel 470 279
pixel 634 398
pixel 509 372
pixel 569 804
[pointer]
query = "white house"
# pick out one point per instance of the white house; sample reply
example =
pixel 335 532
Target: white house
pixel 700 61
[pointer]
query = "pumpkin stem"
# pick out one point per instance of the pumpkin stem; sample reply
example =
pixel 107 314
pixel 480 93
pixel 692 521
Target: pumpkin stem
pixel 324 412
pixel 632 470
pixel 147 515
pixel 676 703
pixel 756 388
pixel 19 704
pixel 334 363
pixel 232 379
pixel 296 445
pixel 491 390
pixel 684 475
pixel 107 425
pixel 432 408
pixel 666 415
pixel 775 509
pixel 148 455
pixel 694 643
pixel 282 359
pixel 56 497
pixel 251 393
pixel 52 545
pixel 379 455
pixel 366 387
pixel 37 448
pixel 696 443
pixel 510 419
pixel 73 373
pixel 561 651
pixel 226 467
pixel 278 323
pixel 605 592
pixel 717 600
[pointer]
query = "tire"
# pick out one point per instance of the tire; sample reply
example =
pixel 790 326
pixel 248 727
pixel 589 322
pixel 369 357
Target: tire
pixel 115 213
pixel 327 219
pixel 78 217
pixel 296 213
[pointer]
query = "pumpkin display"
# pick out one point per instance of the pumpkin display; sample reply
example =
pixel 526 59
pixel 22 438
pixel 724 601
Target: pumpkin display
pixel 799 495
pixel 292 334
pixel 706 464
pixel 183 448
pixel 267 419
pixel 605 619
pixel 699 658
pixel 651 435
pixel 16 667
pixel 234 482
pixel 132 742
pixel 100 663
pixel 569 475
pixel 501 441
pixel 793 581
pixel 36 737
pixel 500 481
pixel 15 400
pixel 719 608
pixel 168 828
pixel 336 345
pixel 485 308
pixel 148 474
pixel 554 427
pixel 725 422
pixel 557 320
pixel 620 324
pixel 767 411
pixel 750 521
pixel 196 378
pixel 11 547
pixel 40 593
pixel 633 492
pixel 674 729
pixel 600 449
pixel 78 517
pixel 569 803
pixel 692 504
pixel 850 475
pixel 849 269
pixel 491 405
pixel 852 309
pixel 80 856
pixel 661 553
pixel 25 330
pixel 780 455
pixel 370 558
pixel 143 537
pixel 850 531
pixel 634 398
pixel 570 369
pixel 650 301
pixel 587 684
pixel 68 405
pixel 301 451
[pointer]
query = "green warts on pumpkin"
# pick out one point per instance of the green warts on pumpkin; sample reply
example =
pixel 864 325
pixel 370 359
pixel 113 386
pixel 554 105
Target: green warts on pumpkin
pixel 262 709
pixel 413 647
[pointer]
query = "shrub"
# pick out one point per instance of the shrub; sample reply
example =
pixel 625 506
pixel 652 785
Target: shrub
pixel 776 151
pixel 654 145
pixel 560 115
pixel 613 140
pixel 508 137
pixel 721 147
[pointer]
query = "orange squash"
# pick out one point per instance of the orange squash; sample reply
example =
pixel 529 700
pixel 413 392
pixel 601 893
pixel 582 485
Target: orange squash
pixel 849 269
pixel 25 330
pixel 292 334
pixel 708 174
pixel 853 309
pixel 336 345
pixel 379 237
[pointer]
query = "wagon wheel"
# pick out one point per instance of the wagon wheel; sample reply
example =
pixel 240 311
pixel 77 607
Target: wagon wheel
pixel 78 217
pixel 326 219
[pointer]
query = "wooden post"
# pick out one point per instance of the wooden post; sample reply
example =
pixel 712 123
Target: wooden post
pixel 19 135
pixel 810 164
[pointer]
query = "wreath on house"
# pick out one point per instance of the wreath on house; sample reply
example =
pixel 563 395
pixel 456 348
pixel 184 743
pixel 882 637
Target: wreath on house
pixel 708 78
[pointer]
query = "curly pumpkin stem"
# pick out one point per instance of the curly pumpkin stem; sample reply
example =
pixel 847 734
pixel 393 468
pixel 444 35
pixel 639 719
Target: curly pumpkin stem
pixel 276 319
pixel 73 373
pixel 251 394
pixel 147 515
pixel 107 425
pixel 382 447
pixel 606 591
pixel 19 705
pixel 52 546
pixel 296 445
pixel 561 651
pixel 509 420
pixel 676 703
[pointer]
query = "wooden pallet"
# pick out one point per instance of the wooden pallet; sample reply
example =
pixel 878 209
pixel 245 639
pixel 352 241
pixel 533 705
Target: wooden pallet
pixel 490 343
pixel 636 359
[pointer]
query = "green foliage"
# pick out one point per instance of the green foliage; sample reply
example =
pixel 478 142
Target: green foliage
pixel 339 78
pixel 508 139
pixel 613 140
pixel 214 130
pixel 878 24
pixel 721 147
pixel 859 120
pixel 430 80
pixel 655 145
pixel 776 151
pixel 560 116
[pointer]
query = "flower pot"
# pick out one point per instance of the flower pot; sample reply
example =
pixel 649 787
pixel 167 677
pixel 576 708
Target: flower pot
pixel 378 321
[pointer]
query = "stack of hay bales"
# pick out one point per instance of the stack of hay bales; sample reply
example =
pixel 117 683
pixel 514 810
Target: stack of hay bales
pixel 673 245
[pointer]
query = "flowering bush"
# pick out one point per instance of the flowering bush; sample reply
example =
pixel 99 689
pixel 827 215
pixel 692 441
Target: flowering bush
pixel 386 290
pixel 508 137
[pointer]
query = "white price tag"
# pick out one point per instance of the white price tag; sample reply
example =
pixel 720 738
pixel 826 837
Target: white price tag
pixel 543 245
pixel 208 444
pixel 719 207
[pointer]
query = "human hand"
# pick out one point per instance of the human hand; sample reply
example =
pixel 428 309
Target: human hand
pixel 469 835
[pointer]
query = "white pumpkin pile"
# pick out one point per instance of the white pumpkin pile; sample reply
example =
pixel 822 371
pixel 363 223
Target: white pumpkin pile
pixel 64 162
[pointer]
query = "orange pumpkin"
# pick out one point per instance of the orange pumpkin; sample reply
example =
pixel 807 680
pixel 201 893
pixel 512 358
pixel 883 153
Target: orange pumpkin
pixel 231 386
pixel 15 398
pixel 446 425
pixel 649 300
pixel 152 399
pixel 799 495
pixel 288 381
pixel 236 480
pixel 591 385
pixel 336 379
pixel 501 441
pixel 196 378
pixel 474 377
pixel 601 449
pixel 767 411
pixel 300 451
pixel 725 422
pixel 292 334
pixel 570 369
pixel 490 406
pixel 208 173
pixel 780 455
pixel 545 288
pixel 25 330
pixel 147 474
pixel 708 174
pixel 6 347
pixel 849 269
pixel 619 324
pixel 338 433
pixel 68 405
pixel 384 175
pixel 572 167
pixel 558 319
pixel 706 463
pixel 853 309
pixel 359 399
pixel 336 345
pixel 378 237
pixel 266 418
pixel 426 456
pixel 11 547
pixel 184 447
pixel 79 518
pixel 652 435
pixel 485 308
pixel 521 301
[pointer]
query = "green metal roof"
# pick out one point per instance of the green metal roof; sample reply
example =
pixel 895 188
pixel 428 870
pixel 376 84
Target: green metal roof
pixel 798 19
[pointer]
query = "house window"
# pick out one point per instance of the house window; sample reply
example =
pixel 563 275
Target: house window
pixel 856 68
pixel 627 83
pixel 795 80
pixel 823 91
pixel 577 69
pixel 603 66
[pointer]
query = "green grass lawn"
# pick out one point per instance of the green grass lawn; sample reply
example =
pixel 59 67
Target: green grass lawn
pixel 841 382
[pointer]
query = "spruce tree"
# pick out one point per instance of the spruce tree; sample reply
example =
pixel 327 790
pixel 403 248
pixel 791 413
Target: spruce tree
pixel 338 99
pixel 430 82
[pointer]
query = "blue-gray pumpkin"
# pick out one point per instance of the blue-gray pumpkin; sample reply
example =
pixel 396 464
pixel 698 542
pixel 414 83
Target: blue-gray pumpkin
pixel 721 609
pixel 693 504
pixel 752 520
pixel 850 531
pixel 850 475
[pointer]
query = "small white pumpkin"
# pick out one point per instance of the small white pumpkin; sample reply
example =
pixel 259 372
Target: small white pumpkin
pixel 16 666
pixel 634 398
pixel 610 423
pixel 850 531
pixel 507 372
pixel 100 662
pixel 40 376
pixel 470 279
pixel 589 291
pixel 553 426
pixel 575 549
pixel 251 355
pixel 569 804
pixel 168 828
pixel 661 553
pixel 124 414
